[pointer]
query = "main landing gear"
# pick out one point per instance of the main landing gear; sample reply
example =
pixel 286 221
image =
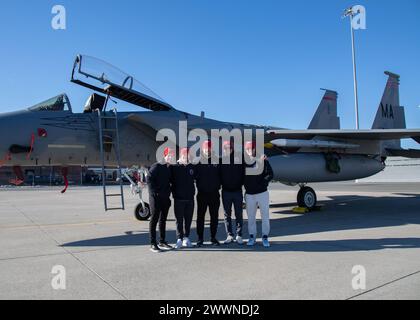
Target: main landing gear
pixel 306 197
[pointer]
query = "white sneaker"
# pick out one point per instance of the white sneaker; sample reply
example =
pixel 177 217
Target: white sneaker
pixel 239 240
pixel 229 239
pixel 186 243
pixel 265 242
pixel 178 244
pixel 251 241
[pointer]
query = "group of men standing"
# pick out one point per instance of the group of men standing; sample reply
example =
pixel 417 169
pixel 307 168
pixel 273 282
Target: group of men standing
pixel 208 175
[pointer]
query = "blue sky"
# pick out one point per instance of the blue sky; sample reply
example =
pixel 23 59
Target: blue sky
pixel 248 61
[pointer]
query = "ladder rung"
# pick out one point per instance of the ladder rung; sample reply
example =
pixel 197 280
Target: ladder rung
pixel 114 195
pixel 110 209
pixel 108 136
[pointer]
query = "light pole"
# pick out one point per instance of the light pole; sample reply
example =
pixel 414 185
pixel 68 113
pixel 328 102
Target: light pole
pixel 350 13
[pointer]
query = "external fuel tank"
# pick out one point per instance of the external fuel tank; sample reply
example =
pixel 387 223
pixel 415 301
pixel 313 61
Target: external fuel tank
pixel 312 167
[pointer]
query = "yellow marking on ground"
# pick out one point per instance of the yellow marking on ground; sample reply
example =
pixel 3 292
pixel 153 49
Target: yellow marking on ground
pixel 300 210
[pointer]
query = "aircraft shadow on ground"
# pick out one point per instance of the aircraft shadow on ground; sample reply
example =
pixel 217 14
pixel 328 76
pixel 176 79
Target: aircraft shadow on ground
pixel 338 214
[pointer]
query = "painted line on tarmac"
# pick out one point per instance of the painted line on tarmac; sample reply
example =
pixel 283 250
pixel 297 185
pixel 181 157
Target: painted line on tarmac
pixel 384 285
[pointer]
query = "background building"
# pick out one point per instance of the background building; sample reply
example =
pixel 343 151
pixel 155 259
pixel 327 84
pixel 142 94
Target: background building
pixel 398 170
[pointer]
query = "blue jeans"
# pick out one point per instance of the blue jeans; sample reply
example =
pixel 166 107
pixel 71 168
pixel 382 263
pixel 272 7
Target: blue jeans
pixel 236 199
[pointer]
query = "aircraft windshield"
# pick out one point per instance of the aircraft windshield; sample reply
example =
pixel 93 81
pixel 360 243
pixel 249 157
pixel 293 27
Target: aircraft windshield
pixel 58 103
pixel 99 75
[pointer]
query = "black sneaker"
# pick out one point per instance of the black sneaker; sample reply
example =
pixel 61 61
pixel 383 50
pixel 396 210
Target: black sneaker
pixel 163 245
pixel 200 243
pixel 154 248
pixel 214 242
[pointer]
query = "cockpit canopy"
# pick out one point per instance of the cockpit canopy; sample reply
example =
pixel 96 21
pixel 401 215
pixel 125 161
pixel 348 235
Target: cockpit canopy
pixel 58 103
pixel 102 77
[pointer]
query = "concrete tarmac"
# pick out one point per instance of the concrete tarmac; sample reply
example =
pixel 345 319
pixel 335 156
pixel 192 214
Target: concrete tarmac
pixel 363 228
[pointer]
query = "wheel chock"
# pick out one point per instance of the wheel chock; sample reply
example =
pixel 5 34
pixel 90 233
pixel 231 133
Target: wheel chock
pixel 306 210
pixel 300 210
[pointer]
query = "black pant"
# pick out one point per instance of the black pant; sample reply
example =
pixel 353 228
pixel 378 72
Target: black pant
pixel 236 199
pixel 204 201
pixel 159 207
pixel 184 210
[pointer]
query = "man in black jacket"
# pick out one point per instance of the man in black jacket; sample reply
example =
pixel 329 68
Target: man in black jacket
pixel 208 186
pixel 257 194
pixel 159 193
pixel 232 171
pixel 183 191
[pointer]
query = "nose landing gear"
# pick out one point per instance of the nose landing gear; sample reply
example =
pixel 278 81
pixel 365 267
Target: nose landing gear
pixel 306 197
pixel 138 185
pixel 142 213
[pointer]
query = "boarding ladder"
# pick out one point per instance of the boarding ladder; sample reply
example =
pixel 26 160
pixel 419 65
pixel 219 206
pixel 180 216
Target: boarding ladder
pixel 108 141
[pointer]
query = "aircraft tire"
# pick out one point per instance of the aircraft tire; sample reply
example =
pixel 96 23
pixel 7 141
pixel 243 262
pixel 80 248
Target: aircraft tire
pixel 306 198
pixel 140 214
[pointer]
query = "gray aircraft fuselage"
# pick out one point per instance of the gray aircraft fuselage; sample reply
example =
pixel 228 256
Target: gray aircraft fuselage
pixel 64 138
pixel 50 134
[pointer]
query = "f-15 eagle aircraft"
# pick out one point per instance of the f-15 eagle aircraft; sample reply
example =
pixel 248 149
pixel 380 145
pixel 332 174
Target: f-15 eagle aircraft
pixel 49 133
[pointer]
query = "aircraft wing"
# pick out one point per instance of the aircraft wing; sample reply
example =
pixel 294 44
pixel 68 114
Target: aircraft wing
pixel 375 134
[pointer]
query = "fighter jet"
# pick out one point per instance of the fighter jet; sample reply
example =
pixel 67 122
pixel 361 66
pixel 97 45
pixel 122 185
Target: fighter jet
pixel 51 134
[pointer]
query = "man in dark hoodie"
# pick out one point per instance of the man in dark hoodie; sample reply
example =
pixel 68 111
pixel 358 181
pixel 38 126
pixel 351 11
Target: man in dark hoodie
pixel 232 172
pixel 208 186
pixel 257 194
pixel 183 191
pixel 159 201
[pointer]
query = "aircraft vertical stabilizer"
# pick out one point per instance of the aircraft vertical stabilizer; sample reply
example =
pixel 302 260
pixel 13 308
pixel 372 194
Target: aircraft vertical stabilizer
pixel 390 114
pixel 326 115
